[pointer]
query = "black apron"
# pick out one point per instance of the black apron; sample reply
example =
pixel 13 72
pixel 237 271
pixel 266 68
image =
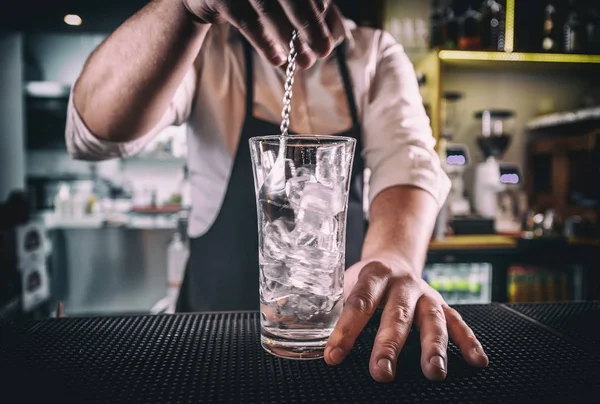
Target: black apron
pixel 222 272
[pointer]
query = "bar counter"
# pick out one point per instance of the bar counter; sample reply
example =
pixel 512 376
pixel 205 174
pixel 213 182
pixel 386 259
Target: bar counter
pixel 538 353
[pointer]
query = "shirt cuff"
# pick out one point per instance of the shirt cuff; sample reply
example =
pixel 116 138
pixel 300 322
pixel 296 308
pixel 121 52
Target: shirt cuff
pixel 82 144
pixel 413 166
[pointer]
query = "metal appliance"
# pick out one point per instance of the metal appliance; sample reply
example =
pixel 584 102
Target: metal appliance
pixel 490 179
pixel 458 159
pixel 24 278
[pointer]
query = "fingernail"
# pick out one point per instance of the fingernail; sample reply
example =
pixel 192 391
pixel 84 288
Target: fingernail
pixel 438 362
pixel 337 355
pixel 281 59
pixel 281 55
pixel 385 364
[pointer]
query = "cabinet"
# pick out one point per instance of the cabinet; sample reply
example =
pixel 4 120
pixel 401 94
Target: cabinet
pixel 564 173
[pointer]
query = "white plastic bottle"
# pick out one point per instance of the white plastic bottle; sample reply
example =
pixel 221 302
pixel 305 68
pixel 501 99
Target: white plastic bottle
pixel 63 208
pixel 177 257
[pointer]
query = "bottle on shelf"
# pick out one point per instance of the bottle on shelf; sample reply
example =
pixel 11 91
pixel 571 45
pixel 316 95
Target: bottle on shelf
pixel 436 36
pixel 469 32
pixel 592 30
pixel 551 32
pixel 450 27
pixel 186 189
pixel 492 26
pixel 572 31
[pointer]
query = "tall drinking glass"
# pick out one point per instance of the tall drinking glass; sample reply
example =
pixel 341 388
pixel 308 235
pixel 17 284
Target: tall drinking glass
pixel 302 202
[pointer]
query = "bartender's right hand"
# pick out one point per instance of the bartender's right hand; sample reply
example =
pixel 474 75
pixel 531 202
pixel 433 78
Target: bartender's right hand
pixel 268 25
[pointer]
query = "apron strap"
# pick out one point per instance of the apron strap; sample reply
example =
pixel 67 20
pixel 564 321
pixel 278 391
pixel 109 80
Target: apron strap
pixel 249 78
pixel 341 57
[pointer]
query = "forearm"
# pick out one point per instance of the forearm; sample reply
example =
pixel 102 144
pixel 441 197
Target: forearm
pixel 128 82
pixel 400 227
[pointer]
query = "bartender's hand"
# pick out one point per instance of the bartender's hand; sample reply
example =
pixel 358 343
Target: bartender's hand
pixel 268 25
pixel 406 300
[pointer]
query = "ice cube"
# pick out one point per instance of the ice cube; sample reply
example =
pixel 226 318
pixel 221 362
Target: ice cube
pixel 273 291
pixel 276 240
pixel 303 239
pixel 331 168
pixel 311 281
pixel 328 238
pixel 323 200
pixel 275 271
pixel 300 306
pixel 315 207
pixel 295 186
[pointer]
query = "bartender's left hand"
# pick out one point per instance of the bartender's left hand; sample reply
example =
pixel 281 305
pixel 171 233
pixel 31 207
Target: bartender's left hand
pixel 406 299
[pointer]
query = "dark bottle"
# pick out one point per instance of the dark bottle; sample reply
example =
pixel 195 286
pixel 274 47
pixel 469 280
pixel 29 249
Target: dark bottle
pixel 592 31
pixel 572 31
pixel 551 33
pixel 492 25
pixel 470 33
pixel 436 25
pixel 450 27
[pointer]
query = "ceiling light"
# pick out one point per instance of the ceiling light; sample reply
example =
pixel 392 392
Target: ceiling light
pixel 73 19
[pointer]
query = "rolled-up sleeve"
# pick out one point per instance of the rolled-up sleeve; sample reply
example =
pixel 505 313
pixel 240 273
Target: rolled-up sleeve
pixel 82 144
pixel 398 141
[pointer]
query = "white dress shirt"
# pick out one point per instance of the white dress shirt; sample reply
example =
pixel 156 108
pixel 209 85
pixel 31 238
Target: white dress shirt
pixel 398 146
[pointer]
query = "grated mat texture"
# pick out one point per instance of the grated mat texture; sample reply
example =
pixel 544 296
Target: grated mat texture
pixel 579 323
pixel 218 358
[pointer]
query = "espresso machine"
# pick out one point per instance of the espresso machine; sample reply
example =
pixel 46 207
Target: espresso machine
pixel 24 278
pixel 492 176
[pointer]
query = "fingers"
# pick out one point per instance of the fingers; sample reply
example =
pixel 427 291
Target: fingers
pixel 394 328
pixel 463 336
pixel 358 309
pixel 434 338
pixel 273 15
pixel 245 18
pixel 306 16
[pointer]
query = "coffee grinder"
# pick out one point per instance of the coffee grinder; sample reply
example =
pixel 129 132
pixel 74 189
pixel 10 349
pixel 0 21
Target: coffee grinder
pixel 490 175
pixel 457 157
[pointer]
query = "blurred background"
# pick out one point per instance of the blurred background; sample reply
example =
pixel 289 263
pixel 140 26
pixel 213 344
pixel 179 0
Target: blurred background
pixel 512 88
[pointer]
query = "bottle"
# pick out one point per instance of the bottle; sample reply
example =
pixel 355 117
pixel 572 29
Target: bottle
pixel 550 35
pixel 492 26
pixel 592 31
pixel 185 189
pixel 63 208
pixel 177 257
pixel 450 27
pixel 538 286
pixel 469 32
pixel 436 37
pixel 572 31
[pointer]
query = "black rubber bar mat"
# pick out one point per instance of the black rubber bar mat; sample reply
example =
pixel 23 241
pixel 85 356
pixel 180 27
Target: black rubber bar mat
pixel 579 323
pixel 218 358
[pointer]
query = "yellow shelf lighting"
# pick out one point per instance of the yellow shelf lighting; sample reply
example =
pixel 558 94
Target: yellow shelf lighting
pixel 452 55
pixel 509 30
